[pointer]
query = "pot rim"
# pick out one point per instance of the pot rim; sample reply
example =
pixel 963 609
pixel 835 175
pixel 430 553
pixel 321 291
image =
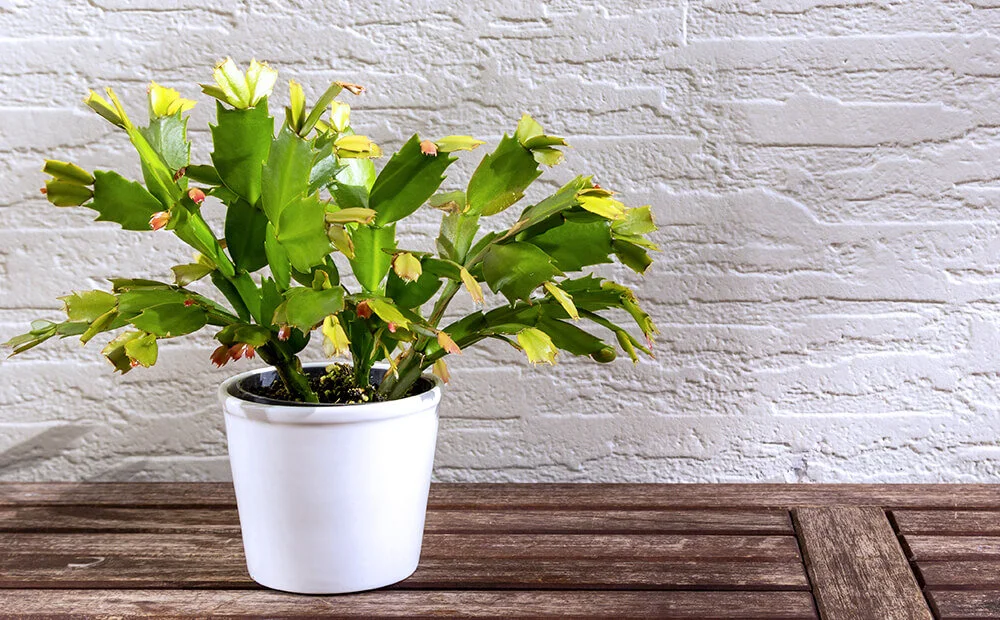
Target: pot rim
pixel 299 413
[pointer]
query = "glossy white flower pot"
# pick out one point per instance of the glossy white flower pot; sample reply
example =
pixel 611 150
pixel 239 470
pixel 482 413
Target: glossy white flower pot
pixel 331 498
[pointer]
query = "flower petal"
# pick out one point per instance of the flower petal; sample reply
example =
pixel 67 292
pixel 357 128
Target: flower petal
pixel 537 346
pixel 447 343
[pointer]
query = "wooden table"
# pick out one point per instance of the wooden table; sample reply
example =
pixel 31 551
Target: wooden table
pixel 587 550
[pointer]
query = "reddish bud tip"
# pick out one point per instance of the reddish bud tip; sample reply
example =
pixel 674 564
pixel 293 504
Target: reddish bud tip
pixel 220 355
pixel 159 220
pixel 428 148
pixel 196 195
pixel 133 363
pixel 597 186
pixel 284 333
pixel 250 352
pixel 44 191
pixel 392 327
pixel 188 302
pixel 364 310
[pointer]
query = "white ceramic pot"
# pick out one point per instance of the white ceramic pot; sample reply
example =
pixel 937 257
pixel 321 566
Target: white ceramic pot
pixel 331 498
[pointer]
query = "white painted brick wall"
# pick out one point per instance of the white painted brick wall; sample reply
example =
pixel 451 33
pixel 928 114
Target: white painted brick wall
pixel 825 175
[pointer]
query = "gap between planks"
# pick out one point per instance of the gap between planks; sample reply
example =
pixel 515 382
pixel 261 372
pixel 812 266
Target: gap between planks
pixel 581 496
pixel 115 572
pixel 466 603
pixel 81 519
pixel 637 547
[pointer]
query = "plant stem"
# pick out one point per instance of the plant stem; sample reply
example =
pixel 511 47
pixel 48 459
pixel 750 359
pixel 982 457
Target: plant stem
pixel 228 289
pixel 289 370
pixel 447 294
pixel 413 363
pixel 393 387
pixel 295 380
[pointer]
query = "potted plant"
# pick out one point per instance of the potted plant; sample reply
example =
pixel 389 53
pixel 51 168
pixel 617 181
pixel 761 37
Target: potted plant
pixel 332 463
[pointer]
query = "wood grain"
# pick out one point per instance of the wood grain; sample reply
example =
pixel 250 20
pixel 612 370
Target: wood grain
pixel 577 550
pixel 643 547
pixel 692 574
pixel 750 522
pixel 396 604
pixel 71 518
pixel 127 494
pixel 953 547
pixel 53 570
pixel 459 496
pixel 856 566
pixel 955 605
pixel 968 575
pixel 215 559
pixel 84 519
pixel 948 522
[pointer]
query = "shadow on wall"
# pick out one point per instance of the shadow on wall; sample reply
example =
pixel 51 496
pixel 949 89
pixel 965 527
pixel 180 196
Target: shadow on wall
pixel 50 443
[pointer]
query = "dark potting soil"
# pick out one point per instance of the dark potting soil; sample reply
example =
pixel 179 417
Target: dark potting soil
pixel 334 385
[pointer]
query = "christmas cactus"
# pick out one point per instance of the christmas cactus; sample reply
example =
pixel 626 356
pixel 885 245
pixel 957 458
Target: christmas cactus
pixel 296 197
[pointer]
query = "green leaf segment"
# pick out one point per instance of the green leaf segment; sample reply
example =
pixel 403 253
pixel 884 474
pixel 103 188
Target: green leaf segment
pixel 297 194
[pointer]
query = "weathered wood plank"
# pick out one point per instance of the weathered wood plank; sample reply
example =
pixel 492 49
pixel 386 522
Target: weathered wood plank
pixel 115 519
pixel 545 496
pixel 145 545
pixel 971 575
pixel 83 519
pixel 719 496
pixel 750 522
pixel 68 570
pixel 490 604
pixel 576 574
pixel 55 570
pixel 128 494
pixel 644 547
pixel 959 605
pixel 953 547
pixel 948 522
pixel 856 565
pixel 215 559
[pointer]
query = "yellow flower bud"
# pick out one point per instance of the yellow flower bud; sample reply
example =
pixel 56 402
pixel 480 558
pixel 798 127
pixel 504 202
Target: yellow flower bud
pixel 440 370
pixel 537 346
pixel 407 266
pixel 335 340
